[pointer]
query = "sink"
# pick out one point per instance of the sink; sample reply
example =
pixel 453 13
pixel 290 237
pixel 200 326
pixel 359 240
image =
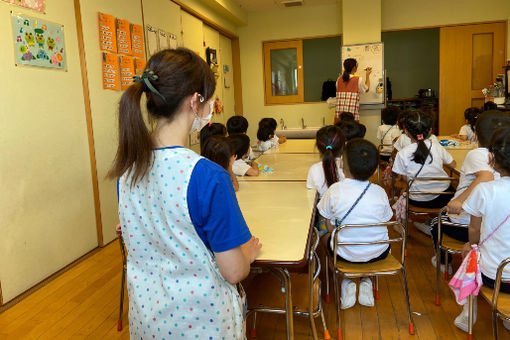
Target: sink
pixel 295 133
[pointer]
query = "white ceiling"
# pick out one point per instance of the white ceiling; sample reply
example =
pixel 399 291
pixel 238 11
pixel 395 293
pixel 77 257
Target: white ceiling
pixel 268 5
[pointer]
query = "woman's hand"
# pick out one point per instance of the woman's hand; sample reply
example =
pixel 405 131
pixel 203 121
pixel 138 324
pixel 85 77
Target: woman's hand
pixel 368 70
pixel 251 249
pixel 454 207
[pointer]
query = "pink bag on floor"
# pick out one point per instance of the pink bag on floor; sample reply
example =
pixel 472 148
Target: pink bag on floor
pixel 400 208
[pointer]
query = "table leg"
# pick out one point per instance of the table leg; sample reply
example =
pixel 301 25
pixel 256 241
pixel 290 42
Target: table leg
pixel 288 303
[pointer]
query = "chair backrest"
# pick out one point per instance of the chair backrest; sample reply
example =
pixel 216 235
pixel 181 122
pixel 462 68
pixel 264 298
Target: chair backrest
pixel 410 181
pixel 396 225
pixel 497 282
pixel 447 223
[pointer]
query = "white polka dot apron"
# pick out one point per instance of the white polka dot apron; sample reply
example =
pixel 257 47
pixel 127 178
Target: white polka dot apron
pixel 175 288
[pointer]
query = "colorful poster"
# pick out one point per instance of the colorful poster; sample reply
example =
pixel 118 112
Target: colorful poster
pixel 110 71
pixel 127 71
pixel 37 5
pixel 123 37
pixel 139 66
pixel 137 40
pixel 107 36
pixel 38 42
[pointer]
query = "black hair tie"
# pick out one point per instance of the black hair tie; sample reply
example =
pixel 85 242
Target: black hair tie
pixel 146 78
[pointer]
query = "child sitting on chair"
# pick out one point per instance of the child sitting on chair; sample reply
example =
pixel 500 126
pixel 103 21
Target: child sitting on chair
pixel 242 166
pixel 355 200
pixel 388 132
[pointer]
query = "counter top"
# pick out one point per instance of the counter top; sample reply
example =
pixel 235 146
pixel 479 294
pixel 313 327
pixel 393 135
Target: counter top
pixel 286 167
pixel 295 146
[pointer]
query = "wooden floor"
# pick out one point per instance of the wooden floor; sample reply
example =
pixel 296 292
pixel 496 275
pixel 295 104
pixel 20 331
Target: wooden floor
pixel 84 302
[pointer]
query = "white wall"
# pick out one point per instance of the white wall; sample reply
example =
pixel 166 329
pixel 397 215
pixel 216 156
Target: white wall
pixel 47 204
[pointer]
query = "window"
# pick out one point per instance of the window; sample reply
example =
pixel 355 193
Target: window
pixel 295 70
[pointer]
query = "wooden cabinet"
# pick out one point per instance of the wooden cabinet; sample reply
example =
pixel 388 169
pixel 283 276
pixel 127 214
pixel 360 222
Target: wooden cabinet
pixel 416 103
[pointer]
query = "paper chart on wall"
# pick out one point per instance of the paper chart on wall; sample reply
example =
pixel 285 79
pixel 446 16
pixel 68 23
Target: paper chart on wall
pixel 163 40
pixel 37 5
pixel 38 42
pixel 123 37
pixel 127 71
pixel 152 40
pixel 137 40
pixel 369 55
pixel 139 66
pixel 107 35
pixel 110 71
pixel 172 41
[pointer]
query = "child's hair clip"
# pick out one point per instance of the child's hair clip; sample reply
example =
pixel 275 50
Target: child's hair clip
pixel 420 137
pixel 209 125
pixel 329 147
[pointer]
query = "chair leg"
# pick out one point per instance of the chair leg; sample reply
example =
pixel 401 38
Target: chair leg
pixel 411 324
pixel 337 307
pixel 446 276
pixel 376 287
pixel 470 318
pixel 121 308
pixel 438 277
pixel 495 325
pixel 327 336
pixel 253 332
pixel 326 267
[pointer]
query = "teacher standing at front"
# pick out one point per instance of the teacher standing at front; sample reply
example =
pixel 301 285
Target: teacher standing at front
pixel 348 88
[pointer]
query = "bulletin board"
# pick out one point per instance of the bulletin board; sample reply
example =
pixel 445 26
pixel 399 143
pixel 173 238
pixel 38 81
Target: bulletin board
pixel 369 55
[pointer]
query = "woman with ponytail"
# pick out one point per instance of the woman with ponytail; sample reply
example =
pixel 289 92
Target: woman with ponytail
pixel 348 88
pixel 330 142
pixel 424 157
pixel 188 244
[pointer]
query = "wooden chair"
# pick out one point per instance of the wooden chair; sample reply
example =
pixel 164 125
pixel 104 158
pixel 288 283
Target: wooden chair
pixel 500 302
pixel 414 210
pixel 122 282
pixel 450 246
pixel 388 266
pixel 306 292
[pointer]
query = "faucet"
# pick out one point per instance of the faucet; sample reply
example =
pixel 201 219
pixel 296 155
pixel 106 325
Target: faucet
pixel 282 124
pixel 303 123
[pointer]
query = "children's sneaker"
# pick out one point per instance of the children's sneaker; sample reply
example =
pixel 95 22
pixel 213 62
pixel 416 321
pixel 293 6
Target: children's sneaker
pixel 366 293
pixel 423 227
pixel 462 320
pixel 348 296
pixel 450 268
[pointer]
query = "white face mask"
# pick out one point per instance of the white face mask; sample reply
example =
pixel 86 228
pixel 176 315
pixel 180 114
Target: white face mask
pixel 200 122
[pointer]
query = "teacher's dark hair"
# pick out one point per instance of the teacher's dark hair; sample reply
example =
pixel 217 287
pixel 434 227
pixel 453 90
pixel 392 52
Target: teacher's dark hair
pixel 349 64
pixel 181 73
pixel 419 125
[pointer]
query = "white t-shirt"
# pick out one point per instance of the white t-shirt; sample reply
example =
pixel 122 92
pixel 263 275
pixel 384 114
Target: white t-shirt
pixel 466 130
pixel 386 134
pixel 404 165
pixel 476 160
pixel 489 200
pixel 316 179
pixel 240 167
pixel 268 144
pixel 404 141
pixel 372 208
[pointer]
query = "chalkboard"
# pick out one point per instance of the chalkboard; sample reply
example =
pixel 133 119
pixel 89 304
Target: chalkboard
pixel 369 55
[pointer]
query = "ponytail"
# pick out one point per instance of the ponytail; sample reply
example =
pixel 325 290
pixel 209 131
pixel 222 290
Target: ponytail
pixel 134 153
pixel 418 125
pixel 330 142
pixel 349 64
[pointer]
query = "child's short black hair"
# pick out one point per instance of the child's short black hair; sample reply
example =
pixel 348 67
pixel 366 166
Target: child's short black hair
pixel 237 124
pixel 212 129
pixel 489 106
pixel 265 132
pixel 389 115
pixel 471 114
pixel 218 149
pixel 500 148
pixel 351 129
pixel 402 118
pixel 487 123
pixel 362 158
pixel 271 121
pixel 241 144
pixel 347 117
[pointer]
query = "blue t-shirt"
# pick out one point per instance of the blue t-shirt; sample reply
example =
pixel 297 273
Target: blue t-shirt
pixel 213 208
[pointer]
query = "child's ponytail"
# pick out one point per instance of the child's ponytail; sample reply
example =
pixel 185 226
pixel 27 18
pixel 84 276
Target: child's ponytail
pixel 135 145
pixel 330 143
pixel 471 115
pixel 418 125
pixel 349 64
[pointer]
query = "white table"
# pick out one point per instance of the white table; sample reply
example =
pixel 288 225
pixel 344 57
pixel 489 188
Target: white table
pixel 286 167
pixel 294 146
pixel 280 214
